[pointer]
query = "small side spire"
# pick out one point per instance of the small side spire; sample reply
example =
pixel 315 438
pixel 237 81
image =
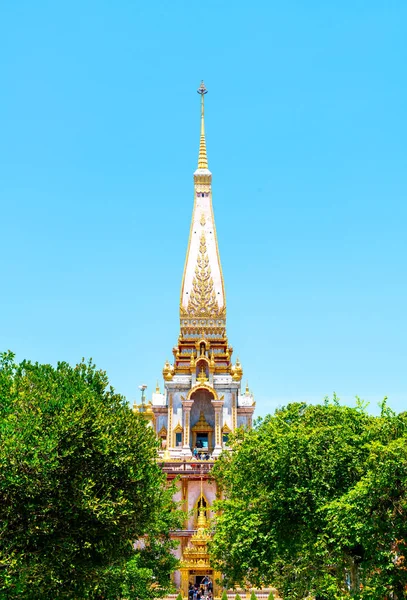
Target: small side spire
pixel 202 157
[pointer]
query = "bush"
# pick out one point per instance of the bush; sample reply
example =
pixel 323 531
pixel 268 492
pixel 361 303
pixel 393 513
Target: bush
pixel 253 596
pixel 224 595
pixel 270 596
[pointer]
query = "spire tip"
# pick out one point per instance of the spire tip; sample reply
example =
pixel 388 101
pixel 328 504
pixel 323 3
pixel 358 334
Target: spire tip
pixel 202 157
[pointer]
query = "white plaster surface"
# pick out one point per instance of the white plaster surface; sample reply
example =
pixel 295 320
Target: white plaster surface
pixel 182 379
pixel 245 400
pixel 222 379
pixel 158 399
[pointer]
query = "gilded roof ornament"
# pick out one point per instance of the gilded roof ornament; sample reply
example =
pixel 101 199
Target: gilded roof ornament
pixel 202 378
pixel 192 361
pixel 202 424
pixel 212 361
pixel 168 371
pixel 236 371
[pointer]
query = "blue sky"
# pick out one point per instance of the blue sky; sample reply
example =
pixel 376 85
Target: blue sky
pixel 306 134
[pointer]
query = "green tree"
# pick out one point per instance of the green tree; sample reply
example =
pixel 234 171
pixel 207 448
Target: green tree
pixel 253 596
pixel 283 485
pixel 224 595
pixel 368 524
pixel 270 596
pixel 79 485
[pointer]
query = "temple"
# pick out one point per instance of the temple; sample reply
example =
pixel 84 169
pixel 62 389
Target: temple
pixel 202 401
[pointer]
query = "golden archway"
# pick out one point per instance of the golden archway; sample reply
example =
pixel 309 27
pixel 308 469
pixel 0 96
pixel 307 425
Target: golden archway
pixel 202 386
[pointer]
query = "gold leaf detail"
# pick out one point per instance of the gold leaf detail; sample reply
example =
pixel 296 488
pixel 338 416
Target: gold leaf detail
pixel 202 301
pixel 203 220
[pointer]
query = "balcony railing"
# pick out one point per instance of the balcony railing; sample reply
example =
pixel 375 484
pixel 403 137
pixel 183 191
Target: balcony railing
pixel 192 467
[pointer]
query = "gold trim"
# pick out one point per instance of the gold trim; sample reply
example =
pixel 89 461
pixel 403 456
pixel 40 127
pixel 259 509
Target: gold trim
pixel 203 386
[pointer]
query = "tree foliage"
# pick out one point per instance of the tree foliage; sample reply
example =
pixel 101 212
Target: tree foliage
pixel 79 485
pixel 315 503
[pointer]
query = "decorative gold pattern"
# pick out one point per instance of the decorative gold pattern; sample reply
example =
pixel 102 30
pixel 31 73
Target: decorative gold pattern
pixel 217 427
pixel 187 416
pixel 203 220
pixel 202 301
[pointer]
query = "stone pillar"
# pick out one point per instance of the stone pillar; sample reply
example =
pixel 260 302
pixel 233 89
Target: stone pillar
pixel 184 583
pixel 217 589
pixel 218 405
pixel 186 412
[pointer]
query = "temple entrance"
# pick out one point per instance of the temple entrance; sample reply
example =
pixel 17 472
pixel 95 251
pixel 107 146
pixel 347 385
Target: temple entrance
pixel 203 578
pixel 202 422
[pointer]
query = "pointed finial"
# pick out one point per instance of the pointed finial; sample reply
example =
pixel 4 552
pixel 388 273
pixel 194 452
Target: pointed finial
pixel 157 388
pixel 202 158
pixel 247 388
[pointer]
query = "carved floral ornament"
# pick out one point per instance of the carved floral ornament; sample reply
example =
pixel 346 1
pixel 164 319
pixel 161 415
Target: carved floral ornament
pixel 202 300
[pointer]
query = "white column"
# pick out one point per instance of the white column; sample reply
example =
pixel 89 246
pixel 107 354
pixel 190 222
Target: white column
pixel 186 413
pixel 218 405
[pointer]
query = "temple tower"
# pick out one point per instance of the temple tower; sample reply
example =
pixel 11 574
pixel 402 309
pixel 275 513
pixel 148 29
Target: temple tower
pixel 202 400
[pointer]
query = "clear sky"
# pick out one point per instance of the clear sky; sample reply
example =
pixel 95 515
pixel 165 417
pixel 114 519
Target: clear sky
pixel 306 134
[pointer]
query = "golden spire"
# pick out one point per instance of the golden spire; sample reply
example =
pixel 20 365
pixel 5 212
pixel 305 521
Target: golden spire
pixel 202 158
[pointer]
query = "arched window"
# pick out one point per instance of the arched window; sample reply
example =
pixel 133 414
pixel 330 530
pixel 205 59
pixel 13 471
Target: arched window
pixel 162 436
pixel 201 504
pixel 178 431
